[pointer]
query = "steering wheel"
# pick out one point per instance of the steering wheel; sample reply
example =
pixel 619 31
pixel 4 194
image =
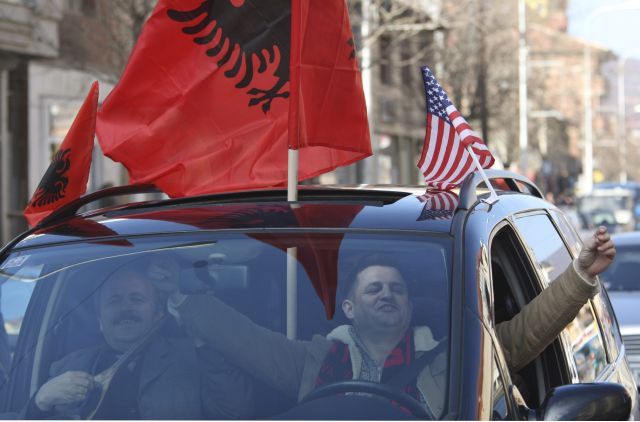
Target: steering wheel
pixel 381 390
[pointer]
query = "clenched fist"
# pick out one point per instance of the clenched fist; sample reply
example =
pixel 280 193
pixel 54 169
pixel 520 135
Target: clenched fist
pixel 597 254
pixel 70 387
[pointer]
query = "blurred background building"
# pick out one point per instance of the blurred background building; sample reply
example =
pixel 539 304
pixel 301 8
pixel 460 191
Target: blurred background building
pixel 51 51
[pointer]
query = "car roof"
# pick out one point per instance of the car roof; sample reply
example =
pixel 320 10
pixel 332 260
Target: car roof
pixel 608 185
pixel 626 239
pixel 318 208
pixel 369 207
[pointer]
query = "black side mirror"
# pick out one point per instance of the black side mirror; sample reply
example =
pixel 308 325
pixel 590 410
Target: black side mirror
pixel 597 401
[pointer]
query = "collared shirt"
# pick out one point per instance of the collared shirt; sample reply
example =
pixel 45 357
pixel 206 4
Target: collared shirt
pixel 370 370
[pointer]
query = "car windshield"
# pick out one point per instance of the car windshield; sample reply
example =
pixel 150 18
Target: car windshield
pixel 288 282
pixel 622 275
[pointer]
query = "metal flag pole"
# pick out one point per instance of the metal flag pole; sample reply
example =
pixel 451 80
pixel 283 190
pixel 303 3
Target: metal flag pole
pixel 292 166
pixel 493 196
pixel 292 253
pixel 292 176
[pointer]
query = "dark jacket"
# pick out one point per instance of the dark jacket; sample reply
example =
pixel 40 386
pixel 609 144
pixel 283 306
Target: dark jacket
pixel 176 382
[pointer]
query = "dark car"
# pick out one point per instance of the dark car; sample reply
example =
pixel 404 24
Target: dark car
pixel 469 264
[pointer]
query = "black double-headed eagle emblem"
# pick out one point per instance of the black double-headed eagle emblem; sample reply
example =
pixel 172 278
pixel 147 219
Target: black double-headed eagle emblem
pixel 228 26
pixel 54 183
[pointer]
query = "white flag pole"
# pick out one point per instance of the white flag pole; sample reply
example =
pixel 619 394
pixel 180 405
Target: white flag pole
pixel 292 175
pixel 493 196
pixel 292 293
pixel 292 253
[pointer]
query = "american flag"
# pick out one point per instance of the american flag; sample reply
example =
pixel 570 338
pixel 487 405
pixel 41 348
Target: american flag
pixel 438 205
pixel 445 161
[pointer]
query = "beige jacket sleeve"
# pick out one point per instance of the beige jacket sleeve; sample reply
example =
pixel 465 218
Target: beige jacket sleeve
pixel 268 355
pixel 537 325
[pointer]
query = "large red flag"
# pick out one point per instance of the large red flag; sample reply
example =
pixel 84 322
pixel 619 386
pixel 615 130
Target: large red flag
pixel 66 178
pixel 216 91
pixel 317 252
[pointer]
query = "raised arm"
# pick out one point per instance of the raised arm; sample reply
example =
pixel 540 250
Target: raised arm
pixel 554 308
pixel 268 355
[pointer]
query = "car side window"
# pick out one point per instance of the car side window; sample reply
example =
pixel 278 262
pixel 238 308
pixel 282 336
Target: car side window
pixel 514 285
pixel 15 293
pixel 570 235
pixel 552 258
pixel 545 245
pixel 600 302
pixel 610 327
pixel 500 409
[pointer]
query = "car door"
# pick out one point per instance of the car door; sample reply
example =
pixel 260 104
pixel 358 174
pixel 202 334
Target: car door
pixel 528 253
pixel 617 368
pixel 516 281
pixel 582 339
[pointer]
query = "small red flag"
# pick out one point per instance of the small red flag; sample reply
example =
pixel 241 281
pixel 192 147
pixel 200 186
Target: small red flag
pixel 66 178
pixel 215 92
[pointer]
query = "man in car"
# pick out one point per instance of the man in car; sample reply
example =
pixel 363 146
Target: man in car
pixel 380 338
pixel 158 377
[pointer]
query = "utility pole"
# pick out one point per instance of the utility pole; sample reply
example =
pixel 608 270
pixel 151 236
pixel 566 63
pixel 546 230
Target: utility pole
pixel 622 115
pixel 622 121
pixel 522 85
pixel 370 165
pixel 587 158
pixel 482 74
pixel 5 158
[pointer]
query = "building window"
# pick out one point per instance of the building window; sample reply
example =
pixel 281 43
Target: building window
pixel 59 117
pixel 83 7
pixel 387 110
pixel 89 7
pixel 408 67
pixel 385 60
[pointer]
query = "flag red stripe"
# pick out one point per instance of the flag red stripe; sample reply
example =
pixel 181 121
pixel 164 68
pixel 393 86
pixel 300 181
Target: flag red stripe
pixel 434 138
pixel 445 160
pixel 435 146
pixel 423 154
pixel 447 153
pixel 453 169
pixel 441 159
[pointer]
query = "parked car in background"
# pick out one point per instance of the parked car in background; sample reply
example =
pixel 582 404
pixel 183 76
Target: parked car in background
pixel 634 187
pixel 622 280
pixel 469 265
pixel 610 207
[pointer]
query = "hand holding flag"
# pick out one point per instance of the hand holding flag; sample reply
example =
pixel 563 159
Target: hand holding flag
pixel 66 178
pixel 449 141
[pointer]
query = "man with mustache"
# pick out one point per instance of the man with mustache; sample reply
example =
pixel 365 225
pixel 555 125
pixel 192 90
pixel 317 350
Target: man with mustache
pixel 379 339
pixel 165 379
